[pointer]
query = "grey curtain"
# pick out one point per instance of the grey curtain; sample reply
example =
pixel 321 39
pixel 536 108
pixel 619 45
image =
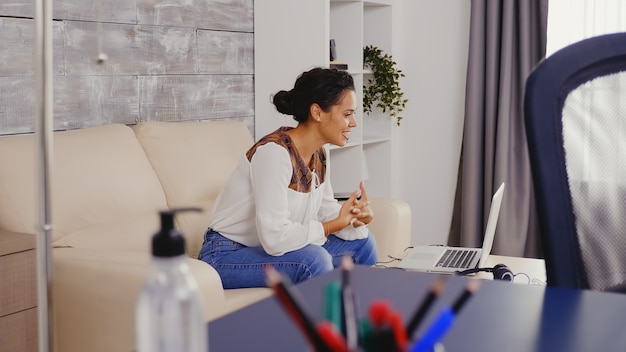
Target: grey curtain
pixel 507 40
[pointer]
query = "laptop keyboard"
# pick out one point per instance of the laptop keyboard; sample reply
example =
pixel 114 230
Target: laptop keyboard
pixel 456 258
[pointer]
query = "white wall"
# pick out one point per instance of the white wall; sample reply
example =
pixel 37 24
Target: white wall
pixel 430 46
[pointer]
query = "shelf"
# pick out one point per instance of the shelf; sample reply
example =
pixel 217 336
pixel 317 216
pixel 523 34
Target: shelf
pixel 371 140
pixel 366 140
pixel 378 3
pixel 347 146
pixel 368 2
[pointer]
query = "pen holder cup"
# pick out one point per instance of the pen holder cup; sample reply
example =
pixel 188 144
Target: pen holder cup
pixel 439 347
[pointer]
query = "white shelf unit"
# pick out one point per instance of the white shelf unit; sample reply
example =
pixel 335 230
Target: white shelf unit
pixel 283 50
pixel 370 154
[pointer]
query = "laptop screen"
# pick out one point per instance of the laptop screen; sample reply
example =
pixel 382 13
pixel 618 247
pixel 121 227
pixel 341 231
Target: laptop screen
pixel 490 230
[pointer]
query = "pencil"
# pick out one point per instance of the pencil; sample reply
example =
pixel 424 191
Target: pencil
pixel 420 312
pixel 348 304
pixel 294 306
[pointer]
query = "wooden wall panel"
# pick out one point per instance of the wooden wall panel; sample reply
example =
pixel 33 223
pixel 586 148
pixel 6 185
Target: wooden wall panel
pixel 17 104
pixel 17 38
pixel 119 11
pixel 170 98
pixel 78 102
pixel 17 8
pixel 230 15
pixel 225 52
pixel 131 49
pixel 95 100
pixel 173 60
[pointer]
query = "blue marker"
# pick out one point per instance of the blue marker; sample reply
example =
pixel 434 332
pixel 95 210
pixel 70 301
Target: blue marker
pixel 444 321
pixel 435 333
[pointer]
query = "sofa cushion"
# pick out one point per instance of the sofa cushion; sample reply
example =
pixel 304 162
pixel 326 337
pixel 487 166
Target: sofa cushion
pixel 100 177
pixel 193 160
pixel 129 234
pixel 96 292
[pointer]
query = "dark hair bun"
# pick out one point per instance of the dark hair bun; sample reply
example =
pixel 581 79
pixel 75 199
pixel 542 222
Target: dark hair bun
pixel 283 102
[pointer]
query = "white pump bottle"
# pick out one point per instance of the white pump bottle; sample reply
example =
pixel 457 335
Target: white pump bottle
pixel 169 313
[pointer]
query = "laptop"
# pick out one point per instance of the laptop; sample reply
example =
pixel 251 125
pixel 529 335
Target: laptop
pixel 448 260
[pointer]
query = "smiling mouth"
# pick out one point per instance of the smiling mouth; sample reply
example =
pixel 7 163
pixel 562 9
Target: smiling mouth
pixel 346 135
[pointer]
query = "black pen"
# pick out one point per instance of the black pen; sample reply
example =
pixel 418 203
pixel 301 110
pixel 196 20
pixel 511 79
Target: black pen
pixel 443 323
pixel 420 312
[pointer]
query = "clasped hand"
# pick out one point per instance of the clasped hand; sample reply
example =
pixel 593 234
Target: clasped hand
pixel 356 210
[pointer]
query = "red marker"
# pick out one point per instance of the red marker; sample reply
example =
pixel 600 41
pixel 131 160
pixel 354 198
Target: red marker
pixel 331 337
pixel 294 306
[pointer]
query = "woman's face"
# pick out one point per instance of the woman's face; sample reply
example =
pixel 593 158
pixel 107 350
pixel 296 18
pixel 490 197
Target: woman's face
pixel 337 123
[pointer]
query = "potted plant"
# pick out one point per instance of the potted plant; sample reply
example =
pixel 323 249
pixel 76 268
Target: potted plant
pixel 383 90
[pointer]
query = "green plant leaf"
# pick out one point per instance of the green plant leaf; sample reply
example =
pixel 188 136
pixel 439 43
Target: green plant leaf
pixel 383 91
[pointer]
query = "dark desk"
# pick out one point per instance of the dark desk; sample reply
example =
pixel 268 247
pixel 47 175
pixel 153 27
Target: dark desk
pixel 500 317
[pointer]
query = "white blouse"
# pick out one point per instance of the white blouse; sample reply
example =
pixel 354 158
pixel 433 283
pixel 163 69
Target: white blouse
pixel 256 207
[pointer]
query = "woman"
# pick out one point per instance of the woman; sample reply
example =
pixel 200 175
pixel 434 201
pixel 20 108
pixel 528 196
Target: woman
pixel 278 206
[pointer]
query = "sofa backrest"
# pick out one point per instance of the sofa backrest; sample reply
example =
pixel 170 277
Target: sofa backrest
pixel 193 161
pixel 105 193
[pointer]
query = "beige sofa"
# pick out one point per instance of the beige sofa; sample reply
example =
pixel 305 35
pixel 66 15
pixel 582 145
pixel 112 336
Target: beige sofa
pixel 108 184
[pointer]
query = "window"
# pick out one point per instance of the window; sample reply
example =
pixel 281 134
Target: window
pixel 570 21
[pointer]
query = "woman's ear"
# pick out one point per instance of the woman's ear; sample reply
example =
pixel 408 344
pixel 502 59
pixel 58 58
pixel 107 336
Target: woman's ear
pixel 316 112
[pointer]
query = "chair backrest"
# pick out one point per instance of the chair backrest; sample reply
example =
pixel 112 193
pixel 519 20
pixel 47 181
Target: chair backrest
pixel 575 115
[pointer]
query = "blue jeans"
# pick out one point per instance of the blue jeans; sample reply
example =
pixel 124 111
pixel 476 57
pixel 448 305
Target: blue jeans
pixel 240 266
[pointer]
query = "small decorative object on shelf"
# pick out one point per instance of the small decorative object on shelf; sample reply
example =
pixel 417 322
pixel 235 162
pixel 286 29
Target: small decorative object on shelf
pixel 338 65
pixel 383 90
pixel 334 63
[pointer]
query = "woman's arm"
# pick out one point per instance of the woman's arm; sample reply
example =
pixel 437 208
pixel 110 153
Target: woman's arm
pixel 271 172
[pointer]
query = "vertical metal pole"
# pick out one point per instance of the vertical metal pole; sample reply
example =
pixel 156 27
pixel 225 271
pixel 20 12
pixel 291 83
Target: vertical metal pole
pixel 43 118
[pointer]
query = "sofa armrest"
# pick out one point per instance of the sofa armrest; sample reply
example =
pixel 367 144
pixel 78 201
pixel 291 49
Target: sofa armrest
pixel 95 292
pixel 11 242
pixel 391 226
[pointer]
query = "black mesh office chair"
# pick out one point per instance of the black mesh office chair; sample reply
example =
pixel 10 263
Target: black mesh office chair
pixel 575 115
